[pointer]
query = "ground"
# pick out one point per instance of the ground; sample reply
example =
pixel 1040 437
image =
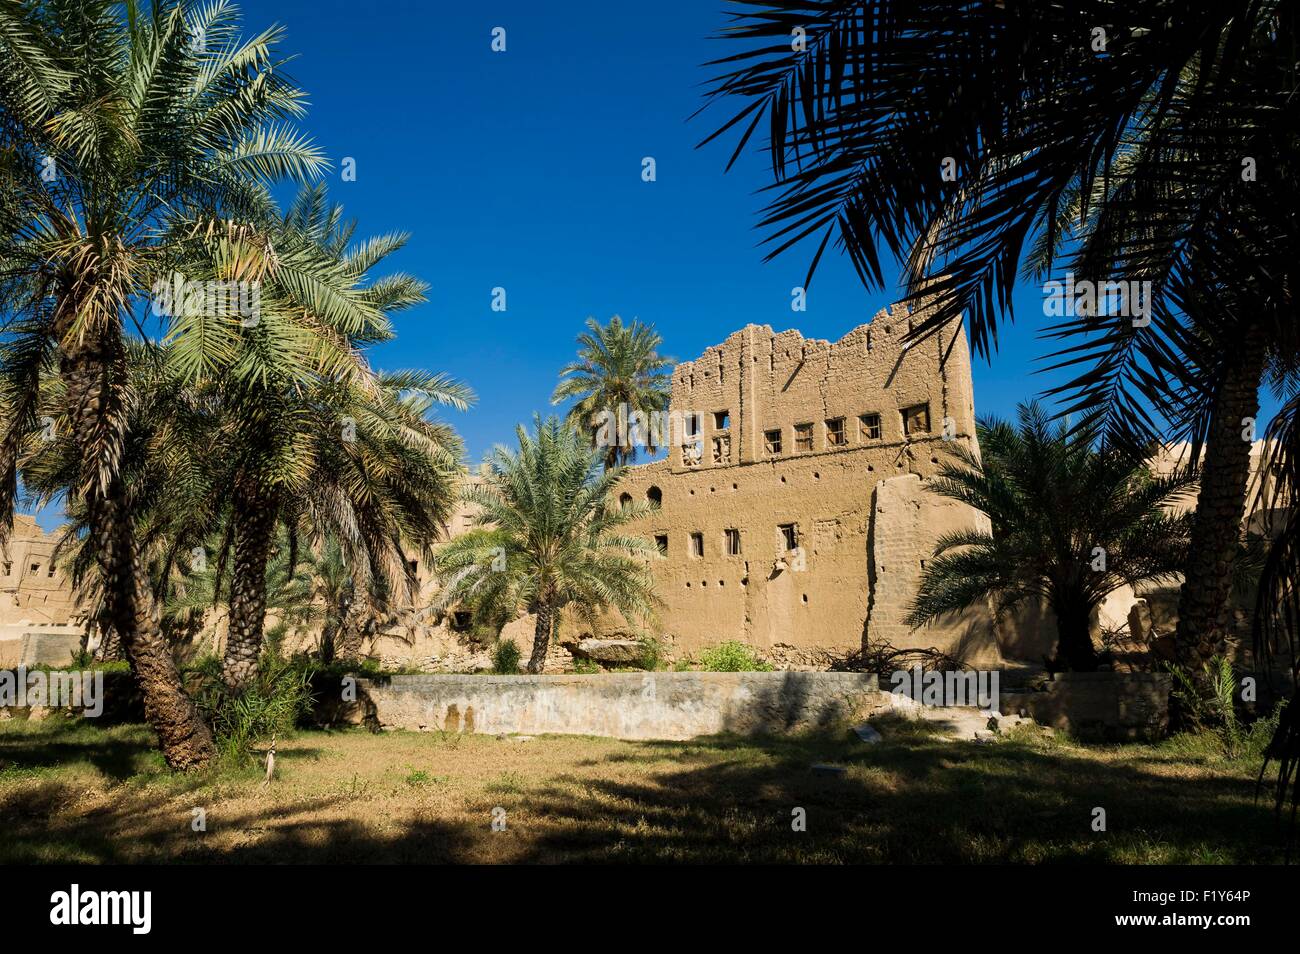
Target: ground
pixel 75 792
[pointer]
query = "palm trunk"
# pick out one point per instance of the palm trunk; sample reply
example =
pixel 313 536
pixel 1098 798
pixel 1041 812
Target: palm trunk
pixel 1074 649
pixel 328 641
pixel 355 624
pixel 541 640
pixel 184 738
pixel 110 644
pixel 1220 506
pixel 254 516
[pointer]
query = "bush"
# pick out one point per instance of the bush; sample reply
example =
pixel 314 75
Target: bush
pixel 270 707
pixel 732 656
pixel 652 655
pixel 1210 705
pixel 505 658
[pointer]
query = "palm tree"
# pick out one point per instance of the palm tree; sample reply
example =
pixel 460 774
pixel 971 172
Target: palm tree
pixel 306 588
pixel 171 501
pixel 332 595
pixel 621 385
pixel 122 130
pixel 1125 138
pixel 1070 524
pixel 343 449
pixel 548 537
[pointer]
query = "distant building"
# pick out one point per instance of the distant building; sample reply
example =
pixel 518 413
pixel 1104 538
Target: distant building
pixel 32 588
pixel 792 514
pixel 40 621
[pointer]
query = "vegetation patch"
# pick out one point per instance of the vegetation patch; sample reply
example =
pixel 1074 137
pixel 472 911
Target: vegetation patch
pixel 74 792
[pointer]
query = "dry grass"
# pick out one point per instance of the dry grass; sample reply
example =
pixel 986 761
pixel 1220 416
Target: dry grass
pixel 73 792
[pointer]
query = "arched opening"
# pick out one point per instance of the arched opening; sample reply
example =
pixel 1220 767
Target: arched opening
pixel 655 496
pixel 625 500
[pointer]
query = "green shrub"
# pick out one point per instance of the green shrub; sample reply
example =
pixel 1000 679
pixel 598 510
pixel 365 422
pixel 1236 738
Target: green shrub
pixel 505 658
pixel 271 706
pixel 1210 705
pixel 732 656
pixel 586 667
pixel 1260 733
pixel 652 655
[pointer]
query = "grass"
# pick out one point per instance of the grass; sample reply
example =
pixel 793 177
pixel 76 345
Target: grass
pixel 74 792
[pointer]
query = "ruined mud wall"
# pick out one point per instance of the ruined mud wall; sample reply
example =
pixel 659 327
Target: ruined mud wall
pixel 860 423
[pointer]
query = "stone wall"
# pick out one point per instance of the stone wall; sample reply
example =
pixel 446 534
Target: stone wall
pixel 1098 705
pixel 37 646
pixel 660 705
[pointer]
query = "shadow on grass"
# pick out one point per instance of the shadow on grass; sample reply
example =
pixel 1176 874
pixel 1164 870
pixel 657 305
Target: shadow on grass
pixel 918 800
pixel 913 799
pixel 117 754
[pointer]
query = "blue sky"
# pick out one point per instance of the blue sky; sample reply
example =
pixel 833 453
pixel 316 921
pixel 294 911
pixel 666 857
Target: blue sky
pixel 522 170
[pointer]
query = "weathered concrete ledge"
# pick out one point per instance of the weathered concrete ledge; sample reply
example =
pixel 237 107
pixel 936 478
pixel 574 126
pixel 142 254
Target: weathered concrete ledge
pixel 39 646
pixel 652 705
pixel 1100 705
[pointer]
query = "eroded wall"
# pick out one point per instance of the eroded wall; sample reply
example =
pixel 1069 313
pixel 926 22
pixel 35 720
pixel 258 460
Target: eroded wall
pixel 859 516
pixel 32 589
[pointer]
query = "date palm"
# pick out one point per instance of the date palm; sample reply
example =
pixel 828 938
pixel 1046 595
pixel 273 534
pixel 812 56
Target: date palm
pixel 121 129
pixel 1144 141
pixel 327 444
pixel 1070 525
pixel 619 384
pixel 548 537
pixel 170 501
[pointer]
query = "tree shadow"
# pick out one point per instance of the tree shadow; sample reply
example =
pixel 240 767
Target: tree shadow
pixel 118 759
pixel 914 799
pixel 928 801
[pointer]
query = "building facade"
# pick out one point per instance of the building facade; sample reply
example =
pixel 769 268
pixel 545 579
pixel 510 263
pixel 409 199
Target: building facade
pixel 792 513
pixel 32 589
pixel 40 622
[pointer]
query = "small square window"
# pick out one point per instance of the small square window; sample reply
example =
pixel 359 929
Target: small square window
pixel 732 541
pixel 789 536
pixel 803 437
pixel 869 427
pixel 916 419
pixel 835 436
pixel 722 449
pixel 772 441
pixel 661 541
pixel 721 420
pixel 697 544
pixel 36 568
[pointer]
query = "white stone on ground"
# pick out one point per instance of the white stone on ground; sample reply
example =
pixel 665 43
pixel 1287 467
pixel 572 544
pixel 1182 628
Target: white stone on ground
pixel 868 734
